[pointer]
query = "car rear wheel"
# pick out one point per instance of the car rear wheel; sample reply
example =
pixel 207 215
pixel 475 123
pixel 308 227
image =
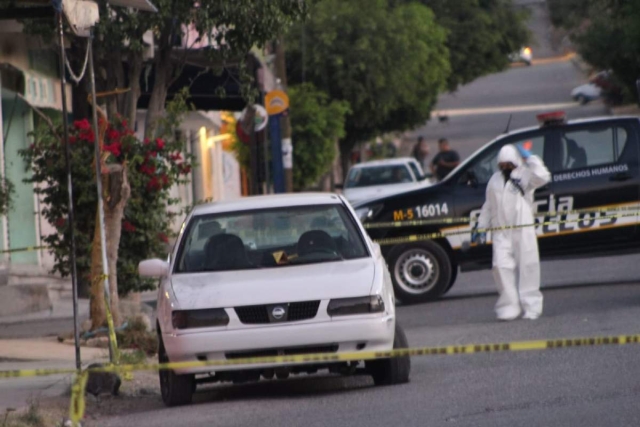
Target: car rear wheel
pixel 395 370
pixel 175 389
pixel 420 271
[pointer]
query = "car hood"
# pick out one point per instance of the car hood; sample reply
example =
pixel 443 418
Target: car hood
pixel 354 195
pixel 327 280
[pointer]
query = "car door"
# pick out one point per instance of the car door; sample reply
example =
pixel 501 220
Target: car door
pixel 596 166
pixel 472 184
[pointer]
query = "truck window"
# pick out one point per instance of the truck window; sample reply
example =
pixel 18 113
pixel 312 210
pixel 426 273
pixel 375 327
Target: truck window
pixel 481 170
pixel 593 146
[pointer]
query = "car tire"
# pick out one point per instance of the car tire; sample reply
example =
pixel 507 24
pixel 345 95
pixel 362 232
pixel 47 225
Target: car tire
pixel 420 271
pixel 395 370
pixel 176 390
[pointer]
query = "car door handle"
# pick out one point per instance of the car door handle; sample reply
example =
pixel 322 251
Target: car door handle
pixel 621 177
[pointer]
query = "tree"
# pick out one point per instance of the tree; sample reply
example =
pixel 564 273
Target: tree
pixel 150 168
pixel 317 124
pixel 480 35
pixel 389 63
pixel 229 29
pixel 607 35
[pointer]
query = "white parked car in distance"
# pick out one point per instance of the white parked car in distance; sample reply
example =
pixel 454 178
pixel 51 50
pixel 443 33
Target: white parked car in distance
pixel 379 178
pixel 273 275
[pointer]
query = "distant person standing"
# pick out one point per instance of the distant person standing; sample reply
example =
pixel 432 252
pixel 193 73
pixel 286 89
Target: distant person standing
pixel 445 161
pixel 421 152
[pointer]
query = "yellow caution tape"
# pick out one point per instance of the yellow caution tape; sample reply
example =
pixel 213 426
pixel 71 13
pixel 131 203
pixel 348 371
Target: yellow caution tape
pixel 77 406
pixel 440 235
pixel 466 219
pixel 25 249
pixel 351 356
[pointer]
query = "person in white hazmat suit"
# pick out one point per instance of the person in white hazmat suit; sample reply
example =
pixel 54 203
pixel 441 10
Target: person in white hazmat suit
pixel 509 202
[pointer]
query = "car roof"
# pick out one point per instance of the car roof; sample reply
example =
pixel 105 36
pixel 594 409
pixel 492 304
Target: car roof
pixel 266 202
pixel 384 162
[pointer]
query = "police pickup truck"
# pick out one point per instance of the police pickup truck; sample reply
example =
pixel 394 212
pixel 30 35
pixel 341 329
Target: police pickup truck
pixel 595 167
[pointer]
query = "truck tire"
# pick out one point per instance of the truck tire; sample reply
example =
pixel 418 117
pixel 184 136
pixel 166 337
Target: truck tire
pixel 454 276
pixel 175 389
pixel 420 271
pixel 395 370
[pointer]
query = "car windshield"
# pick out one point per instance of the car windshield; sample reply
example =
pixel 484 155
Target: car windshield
pixel 269 238
pixel 378 175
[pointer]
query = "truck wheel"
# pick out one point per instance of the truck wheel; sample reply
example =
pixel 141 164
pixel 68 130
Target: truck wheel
pixel 454 276
pixel 395 370
pixel 175 389
pixel 420 271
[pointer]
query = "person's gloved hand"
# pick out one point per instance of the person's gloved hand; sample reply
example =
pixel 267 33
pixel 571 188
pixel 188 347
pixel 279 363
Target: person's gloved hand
pixel 523 152
pixel 476 237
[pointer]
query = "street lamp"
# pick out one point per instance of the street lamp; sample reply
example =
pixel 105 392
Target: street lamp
pixel 82 16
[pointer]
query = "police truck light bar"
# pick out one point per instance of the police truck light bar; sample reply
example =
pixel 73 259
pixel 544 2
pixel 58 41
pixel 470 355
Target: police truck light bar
pixel 553 118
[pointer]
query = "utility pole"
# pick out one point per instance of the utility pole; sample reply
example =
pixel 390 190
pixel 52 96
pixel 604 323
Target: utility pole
pixel 287 146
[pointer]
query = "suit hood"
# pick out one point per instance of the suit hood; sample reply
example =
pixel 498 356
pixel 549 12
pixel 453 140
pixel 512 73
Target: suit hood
pixel 509 153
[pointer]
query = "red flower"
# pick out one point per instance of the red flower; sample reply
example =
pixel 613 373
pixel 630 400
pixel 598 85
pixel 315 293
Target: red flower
pixel 184 169
pixel 82 125
pixel 113 148
pixel 128 227
pixel 72 139
pixel 146 141
pixel 60 222
pixel 163 237
pixel 159 144
pixel 148 169
pixel 87 136
pixel 165 180
pixel 175 157
pixel 113 134
pixel 153 184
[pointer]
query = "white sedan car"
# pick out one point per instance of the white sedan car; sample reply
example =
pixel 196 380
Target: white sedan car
pixel 273 275
pixel 379 178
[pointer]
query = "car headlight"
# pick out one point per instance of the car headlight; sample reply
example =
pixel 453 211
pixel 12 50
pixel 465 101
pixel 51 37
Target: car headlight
pixel 207 318
pixel 359 305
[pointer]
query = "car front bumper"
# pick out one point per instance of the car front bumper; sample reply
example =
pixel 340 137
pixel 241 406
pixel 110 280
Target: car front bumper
pixel 344 336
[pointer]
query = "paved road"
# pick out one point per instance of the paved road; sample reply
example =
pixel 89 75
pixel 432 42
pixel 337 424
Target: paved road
pixel 569 387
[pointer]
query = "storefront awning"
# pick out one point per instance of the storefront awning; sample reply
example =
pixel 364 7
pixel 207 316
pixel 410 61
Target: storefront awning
pixel 38 90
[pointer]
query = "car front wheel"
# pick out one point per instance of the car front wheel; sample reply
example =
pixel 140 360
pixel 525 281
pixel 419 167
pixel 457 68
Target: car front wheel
pixel 420 271
pixel 175 389
pixel 395 370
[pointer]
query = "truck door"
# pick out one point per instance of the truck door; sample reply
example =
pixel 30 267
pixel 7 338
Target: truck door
pixel 596 166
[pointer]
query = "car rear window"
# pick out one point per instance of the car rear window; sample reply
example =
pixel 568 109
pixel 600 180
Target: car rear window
pixel 269 238
pixel 378 175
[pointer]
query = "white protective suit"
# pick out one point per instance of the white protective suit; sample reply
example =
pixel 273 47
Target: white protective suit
pixel 516 262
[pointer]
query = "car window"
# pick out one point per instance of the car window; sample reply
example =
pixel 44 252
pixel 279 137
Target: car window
pixel 482 169
pixel 269 238
pixel 593 146
pixel 417 172
pixel 378 175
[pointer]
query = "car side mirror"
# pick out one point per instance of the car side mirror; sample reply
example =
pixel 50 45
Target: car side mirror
pixel 469 179
pixel 154 268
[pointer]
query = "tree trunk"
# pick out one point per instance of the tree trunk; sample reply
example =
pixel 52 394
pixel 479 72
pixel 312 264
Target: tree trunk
pixel 131 101
pixel 116 192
